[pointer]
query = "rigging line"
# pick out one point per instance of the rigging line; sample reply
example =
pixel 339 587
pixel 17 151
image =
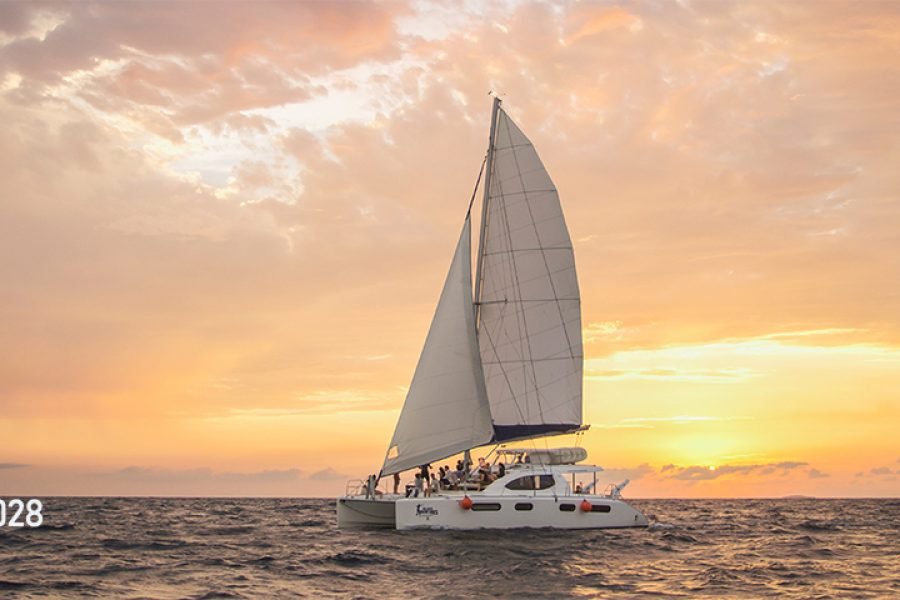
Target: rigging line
pixel 537 235
pixel 507 256
pixel 505 240
pixel 516 274
pixel 503 372
pixel 536 278
pixel 532 191
pixel 488 362
pixel 477 182
pixel 513 146
pixel 534 249
pixel 540 221
pixel 524 301
pixel 519 316
pixel 489 159
pixel 563 401
pixel 510 343
pixel 516 287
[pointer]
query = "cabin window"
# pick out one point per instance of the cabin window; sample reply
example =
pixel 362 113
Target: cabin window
pixel 531 482
pixel 567 507
pixel 522 483
pixel 486 506
pixel 524 506
pixel 601 508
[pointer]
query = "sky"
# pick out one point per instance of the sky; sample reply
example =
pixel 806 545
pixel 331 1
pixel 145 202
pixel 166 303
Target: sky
pixel 224 228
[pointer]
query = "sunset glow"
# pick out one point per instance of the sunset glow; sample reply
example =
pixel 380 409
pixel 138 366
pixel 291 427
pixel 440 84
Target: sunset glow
pixel 224 228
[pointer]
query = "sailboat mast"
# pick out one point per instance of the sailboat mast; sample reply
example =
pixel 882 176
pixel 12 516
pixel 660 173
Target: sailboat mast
pixel 484 207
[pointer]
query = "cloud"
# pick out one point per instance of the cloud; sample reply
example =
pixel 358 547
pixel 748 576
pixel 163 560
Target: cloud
pixel 632 473
pixel 881 471
pixel 681 419
pixel 202 475
pixel 220 204
pixel 603 330
pixel 707 473
pixel 789 464
pixel 13 466
pixel 337 37
pixel 589 22
pixel 671 374
pixel 817 474
pixel 652 422
pixel 327 401
pixel 327 474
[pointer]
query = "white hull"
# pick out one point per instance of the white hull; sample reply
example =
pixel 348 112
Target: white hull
pixel 359 512
pixel 445 512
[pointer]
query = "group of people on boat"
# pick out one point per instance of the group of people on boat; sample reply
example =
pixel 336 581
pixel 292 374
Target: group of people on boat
pixel 464 477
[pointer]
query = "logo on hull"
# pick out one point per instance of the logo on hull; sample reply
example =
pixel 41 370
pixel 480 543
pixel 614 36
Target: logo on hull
pixel 426 511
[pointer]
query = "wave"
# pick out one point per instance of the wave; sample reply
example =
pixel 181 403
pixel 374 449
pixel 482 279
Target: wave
pixel 204 549
pixel 6 584
pixel 813 525
pixel 117 544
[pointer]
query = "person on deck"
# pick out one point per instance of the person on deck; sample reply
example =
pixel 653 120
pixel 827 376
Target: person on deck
pixel 420 485
pixel 475 473
pixel 484 472
pixel 452 479
pixel 427 483
pixel 396 483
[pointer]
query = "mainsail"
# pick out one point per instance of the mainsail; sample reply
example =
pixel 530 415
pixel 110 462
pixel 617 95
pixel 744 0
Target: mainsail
pixel 529 323
pixel 446 409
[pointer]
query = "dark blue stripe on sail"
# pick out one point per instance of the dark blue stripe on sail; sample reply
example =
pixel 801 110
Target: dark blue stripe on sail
pixel 503 433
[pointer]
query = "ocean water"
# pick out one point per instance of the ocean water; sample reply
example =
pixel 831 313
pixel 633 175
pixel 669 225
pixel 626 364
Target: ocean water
pixel 290 548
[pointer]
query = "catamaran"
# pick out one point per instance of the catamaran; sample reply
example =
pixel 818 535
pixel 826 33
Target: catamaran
pixel 503 364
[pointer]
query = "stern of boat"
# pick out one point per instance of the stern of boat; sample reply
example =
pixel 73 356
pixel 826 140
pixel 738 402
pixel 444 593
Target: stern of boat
pixel 356 512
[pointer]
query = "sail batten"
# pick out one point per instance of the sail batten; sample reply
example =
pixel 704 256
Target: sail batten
pixel 446 409
pixel 529 325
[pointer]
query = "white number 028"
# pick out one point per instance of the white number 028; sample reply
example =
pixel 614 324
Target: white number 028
pixel 15 507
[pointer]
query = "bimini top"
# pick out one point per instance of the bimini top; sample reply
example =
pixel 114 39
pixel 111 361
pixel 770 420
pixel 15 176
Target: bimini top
pixel 550 456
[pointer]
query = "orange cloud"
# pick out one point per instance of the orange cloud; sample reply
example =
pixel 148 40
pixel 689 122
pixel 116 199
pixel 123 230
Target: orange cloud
pixel 591 20
pixel 212 216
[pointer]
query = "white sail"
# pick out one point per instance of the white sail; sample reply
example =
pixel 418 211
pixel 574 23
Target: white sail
pixel 529 327
pixel 446 409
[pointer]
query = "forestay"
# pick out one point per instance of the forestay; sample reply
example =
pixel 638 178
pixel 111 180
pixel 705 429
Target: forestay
pixel 529 327
pixel 446 409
